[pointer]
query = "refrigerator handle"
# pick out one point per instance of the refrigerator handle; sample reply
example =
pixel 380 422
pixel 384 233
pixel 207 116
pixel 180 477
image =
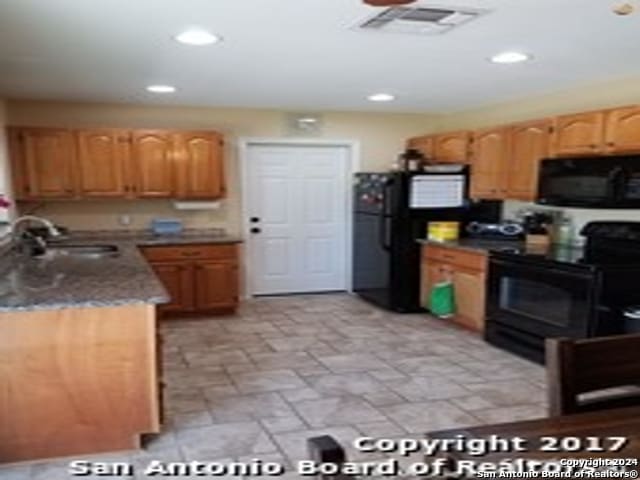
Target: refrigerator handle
pixel 387 197
pixel 383 232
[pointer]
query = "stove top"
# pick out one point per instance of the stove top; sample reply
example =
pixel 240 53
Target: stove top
pixel 554 253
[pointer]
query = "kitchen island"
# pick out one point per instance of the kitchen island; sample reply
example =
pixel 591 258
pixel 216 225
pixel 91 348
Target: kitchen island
pixel 79 369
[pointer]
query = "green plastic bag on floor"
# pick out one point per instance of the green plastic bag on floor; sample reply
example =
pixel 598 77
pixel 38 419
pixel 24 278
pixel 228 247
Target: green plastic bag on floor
pixel 442 300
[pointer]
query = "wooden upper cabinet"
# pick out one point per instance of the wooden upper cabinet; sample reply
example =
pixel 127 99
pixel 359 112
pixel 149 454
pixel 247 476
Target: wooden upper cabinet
pixel 529 144
pixel 424 145
pixel 623 130
pixel 48 159
pixel 16 161
pixel 452 147
pixel 579 134
pixel 199 165
pixel 489 163
pixel 153 163
pixel 103 159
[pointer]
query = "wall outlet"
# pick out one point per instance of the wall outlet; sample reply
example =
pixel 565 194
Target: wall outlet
pixel 124 220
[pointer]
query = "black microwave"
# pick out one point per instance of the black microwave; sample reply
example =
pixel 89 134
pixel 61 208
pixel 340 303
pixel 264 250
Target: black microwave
pixel 594 182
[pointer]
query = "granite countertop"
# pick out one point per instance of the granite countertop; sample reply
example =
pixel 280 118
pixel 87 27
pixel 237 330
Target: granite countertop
pixel 59 281
pixel 476 244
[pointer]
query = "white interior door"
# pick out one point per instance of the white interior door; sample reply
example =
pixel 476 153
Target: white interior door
pixel 297 211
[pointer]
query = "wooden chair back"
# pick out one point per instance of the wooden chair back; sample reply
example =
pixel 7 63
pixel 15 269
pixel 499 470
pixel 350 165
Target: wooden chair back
pixel 576 367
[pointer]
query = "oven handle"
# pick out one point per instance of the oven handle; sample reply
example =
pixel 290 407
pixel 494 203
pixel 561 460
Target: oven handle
pixel 534 268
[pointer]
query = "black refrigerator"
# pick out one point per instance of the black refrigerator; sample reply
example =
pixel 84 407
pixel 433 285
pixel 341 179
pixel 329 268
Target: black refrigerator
pixel 391 212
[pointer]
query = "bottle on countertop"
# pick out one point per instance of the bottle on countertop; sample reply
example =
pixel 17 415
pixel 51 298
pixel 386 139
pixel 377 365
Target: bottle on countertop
pixel 564 232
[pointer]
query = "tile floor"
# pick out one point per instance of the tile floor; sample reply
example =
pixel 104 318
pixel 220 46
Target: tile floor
pixel 258 384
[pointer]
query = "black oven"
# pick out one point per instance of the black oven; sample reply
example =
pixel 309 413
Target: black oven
pixel 563 291
pixel 528 302
pixel 600 182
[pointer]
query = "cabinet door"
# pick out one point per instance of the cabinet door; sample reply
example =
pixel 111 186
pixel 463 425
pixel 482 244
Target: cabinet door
pixel 579 134
pixel 199 163
pixel 18 167
pixel 530 143
pixel 103 156
pixel 177 278
pixel 489 163
pixel 48 156
pixel 623 130
pixel 216 285
pixel 452 147
pixel 469 287
pixel 424 145
pixel 431 273
pixel 152 158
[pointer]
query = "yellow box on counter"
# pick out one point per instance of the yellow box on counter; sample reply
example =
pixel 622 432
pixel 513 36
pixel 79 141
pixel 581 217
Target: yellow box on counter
pixel 443 231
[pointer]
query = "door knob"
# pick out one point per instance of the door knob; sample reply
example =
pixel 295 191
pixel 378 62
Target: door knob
pixel 255 230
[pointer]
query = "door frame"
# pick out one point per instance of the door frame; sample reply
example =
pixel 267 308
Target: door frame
pixel 353 165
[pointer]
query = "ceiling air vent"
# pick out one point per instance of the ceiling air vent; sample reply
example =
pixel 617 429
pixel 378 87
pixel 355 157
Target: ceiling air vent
pixel 420 20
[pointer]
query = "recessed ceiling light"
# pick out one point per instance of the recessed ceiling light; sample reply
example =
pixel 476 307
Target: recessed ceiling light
pixel 161 89
pixel 381 97
pixel 510 57
pixel 197 37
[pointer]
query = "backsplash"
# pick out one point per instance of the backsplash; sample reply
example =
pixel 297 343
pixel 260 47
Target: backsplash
pixel 126 215
pixel 579 216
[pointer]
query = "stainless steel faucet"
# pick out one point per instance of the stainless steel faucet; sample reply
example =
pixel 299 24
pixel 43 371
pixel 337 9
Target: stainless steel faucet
pixel 35 242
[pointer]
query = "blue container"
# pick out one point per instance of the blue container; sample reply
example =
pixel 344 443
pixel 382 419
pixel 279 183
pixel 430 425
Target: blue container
pixel 166 226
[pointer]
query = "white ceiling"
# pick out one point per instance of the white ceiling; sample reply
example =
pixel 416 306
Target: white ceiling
pixel 303 55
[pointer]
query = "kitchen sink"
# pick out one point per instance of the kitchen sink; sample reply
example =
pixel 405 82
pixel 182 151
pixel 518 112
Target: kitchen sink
pixel 85 251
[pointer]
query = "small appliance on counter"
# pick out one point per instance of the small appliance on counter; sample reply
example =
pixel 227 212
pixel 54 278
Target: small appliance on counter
pixel 506 230
pixel 166 226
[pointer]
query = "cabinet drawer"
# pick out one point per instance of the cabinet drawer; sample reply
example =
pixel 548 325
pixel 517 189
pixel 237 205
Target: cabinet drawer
pixel 190 252
pixel 463 258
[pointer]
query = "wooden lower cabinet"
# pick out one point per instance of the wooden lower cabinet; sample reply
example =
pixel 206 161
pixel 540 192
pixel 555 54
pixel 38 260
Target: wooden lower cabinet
pixel 199 278
pixel 77 381
pixel 216 285
pixel 468 273
pixel 177 278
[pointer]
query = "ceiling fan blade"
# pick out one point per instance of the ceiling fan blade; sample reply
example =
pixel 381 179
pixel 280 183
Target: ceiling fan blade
pixel 387 3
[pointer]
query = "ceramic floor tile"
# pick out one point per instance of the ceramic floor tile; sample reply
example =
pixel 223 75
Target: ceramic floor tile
pixel 345 384
pixel 224 440
pixel 356 362
pixel 424 417
pixel 233 408
pixel 294 444
pixel 511 414
pixel 508 393
pixel 337 411
pixel 266 381
pixel 16 473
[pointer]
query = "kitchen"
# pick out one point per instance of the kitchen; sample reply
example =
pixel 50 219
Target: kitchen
pixel 265 371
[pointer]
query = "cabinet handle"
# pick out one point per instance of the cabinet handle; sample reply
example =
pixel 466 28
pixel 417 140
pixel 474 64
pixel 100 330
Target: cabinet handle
pixel 611 144
pixel 190 254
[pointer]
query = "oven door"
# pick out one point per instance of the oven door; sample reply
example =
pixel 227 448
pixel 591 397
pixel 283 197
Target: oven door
pixel 542 300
